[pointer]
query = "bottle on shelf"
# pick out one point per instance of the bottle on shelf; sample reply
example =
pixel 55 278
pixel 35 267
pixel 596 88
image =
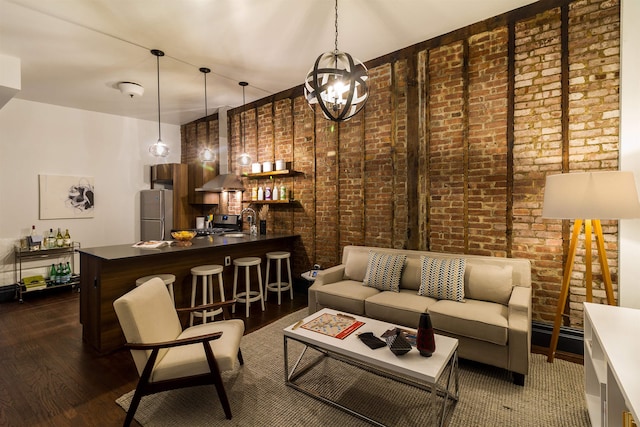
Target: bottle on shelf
pixel 53 275
pixel 59 239
pixel 52 239
pixel 274 192
pixel 283 193
pixel 267 193
pixel 67 239
pixel 254 193
pixel 67 273
pixel 260 193
pixel 59 274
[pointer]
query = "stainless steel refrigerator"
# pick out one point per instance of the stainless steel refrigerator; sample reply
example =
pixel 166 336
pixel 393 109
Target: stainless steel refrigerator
pixel 156 214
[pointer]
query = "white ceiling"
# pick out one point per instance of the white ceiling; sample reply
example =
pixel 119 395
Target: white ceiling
pixel 74 52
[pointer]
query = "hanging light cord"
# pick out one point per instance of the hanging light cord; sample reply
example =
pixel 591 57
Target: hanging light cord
pixel 244 110
pixel 336 25
pixel 205 94
pixel 158 74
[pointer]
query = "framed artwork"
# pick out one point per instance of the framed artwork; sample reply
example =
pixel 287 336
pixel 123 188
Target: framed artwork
pixel 64 196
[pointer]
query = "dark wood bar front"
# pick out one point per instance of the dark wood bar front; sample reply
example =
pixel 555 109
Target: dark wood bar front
pixel 111 271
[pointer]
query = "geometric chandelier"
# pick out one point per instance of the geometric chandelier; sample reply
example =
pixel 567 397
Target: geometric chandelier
pixel 337 83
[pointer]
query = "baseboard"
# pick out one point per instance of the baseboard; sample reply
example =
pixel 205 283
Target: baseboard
pixel 570 340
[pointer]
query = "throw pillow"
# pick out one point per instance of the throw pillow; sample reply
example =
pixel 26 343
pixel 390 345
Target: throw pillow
pixel 442 278
pixel 489 283
pixel 384 271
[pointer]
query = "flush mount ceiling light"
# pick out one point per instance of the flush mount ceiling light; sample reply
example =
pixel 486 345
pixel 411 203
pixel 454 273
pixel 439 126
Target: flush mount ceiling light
pixel 337 83
pixel 131 89
pixel 159 149
pixel 244 159
pixel 206 154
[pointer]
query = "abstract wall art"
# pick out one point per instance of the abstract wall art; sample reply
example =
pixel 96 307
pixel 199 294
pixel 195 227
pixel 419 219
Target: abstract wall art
pixel 64 196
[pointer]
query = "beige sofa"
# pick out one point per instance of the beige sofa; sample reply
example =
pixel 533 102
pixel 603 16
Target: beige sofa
pixel 492 322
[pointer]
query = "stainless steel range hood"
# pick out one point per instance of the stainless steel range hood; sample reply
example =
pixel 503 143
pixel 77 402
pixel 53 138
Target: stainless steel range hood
pixel 225 181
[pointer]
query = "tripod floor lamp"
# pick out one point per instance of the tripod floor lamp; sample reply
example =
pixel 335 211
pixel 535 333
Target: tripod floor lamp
pixel 588 197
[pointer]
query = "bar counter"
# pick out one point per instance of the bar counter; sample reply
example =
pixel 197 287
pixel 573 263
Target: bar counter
pixel 108 272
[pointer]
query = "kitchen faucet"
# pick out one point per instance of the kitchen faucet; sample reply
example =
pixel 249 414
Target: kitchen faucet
pixel 252 220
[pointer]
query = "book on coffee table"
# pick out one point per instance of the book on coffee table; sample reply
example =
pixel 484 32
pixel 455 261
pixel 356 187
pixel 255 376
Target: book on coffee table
pixel 334 325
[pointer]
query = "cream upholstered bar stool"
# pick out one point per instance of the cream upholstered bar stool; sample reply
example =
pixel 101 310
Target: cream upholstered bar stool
pixel 168 279
pixel 206 273
pixel 278 286
pixel 247 296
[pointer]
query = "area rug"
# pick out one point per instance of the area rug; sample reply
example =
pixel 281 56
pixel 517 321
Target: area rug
pixel 553 394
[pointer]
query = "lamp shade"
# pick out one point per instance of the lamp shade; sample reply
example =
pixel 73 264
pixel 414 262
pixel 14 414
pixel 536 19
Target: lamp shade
pixel 591 195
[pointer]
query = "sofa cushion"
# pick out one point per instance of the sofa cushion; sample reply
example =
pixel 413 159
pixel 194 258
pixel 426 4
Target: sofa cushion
pixel 481 320
pixel 346 295
pixel 442 278
pixel 402 308
pixel 355 267
pixel 489 282
pixel 384 271
pixel 411 274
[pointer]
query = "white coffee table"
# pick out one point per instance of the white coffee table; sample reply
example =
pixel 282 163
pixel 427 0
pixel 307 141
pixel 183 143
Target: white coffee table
pixel 410 368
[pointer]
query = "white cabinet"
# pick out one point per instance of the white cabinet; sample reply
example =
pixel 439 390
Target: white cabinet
pixel 611 363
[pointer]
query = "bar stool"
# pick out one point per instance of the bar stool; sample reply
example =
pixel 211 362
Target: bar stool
pixel 168 279
pixel 248 296
pixel 206 272
pixel 278 286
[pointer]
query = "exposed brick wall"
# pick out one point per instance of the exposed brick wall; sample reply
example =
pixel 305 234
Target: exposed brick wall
pixel 487 155
pixel 446 155
pixel 475 194
pixel 594 52
pixel 538 151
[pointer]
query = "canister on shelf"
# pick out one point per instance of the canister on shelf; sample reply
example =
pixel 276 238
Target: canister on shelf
pixel 254 193
pixel 283 193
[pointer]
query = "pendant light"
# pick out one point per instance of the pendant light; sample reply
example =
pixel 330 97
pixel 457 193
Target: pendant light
pixel 206 154
pixel 159 149
pixel 337 83
pixel 244 159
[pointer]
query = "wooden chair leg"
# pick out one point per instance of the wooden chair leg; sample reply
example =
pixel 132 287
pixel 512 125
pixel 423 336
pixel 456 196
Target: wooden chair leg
pixel 133 407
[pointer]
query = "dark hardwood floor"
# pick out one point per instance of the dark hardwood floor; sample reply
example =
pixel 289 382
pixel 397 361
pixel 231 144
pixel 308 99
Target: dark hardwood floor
pixel 48 377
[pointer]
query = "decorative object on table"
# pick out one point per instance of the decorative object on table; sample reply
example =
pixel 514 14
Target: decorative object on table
pixel 371 341
pixel 425 342
pixel 334 325
pixel 337 83
pixel 396 341
pixel 159 149
pixel 244 159
pixel 183 237
pixel 63 196
pixel 588 197
pixel 206 154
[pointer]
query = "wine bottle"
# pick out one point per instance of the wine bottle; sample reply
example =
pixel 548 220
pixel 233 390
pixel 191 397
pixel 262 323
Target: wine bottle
pixel 59 239
pixel 52 239
pixel 67 273
pixel 67 238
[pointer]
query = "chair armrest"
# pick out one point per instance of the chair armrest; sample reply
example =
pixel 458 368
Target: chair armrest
pixel 520 301
pixel 212 306
pixel 175 343
pixel 519 312
pixel 330 275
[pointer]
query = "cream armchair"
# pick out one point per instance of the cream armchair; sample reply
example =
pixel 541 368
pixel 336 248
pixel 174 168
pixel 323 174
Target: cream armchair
pixel 168 357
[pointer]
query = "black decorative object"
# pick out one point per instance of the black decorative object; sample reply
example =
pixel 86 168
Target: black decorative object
pixel 263 227
pixel 426 342
pixel 397 343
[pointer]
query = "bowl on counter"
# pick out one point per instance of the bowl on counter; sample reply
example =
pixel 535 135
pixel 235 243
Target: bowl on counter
pixel 183 238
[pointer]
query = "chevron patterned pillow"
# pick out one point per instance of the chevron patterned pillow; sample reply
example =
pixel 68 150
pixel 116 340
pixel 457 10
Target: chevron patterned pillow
pixel 442 278
pixel 384 271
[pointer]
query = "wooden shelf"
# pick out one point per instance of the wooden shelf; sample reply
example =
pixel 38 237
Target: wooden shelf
pixel 281 173
pixel 272 202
